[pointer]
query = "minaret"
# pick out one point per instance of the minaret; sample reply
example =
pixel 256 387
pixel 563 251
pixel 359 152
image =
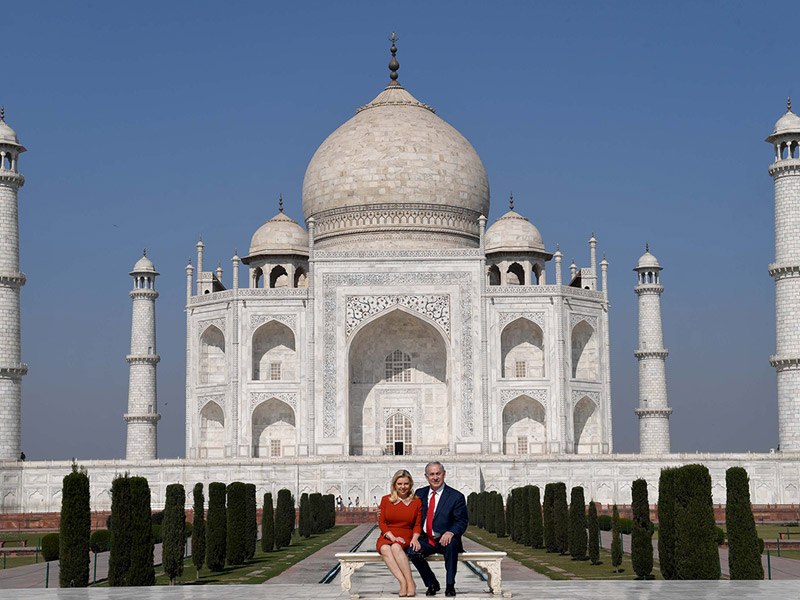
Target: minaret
pixel 653 411
pixel 142 416
pixel 11 280
pixel 786 272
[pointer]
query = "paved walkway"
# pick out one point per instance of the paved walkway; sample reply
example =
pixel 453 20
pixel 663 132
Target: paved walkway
pixel 536 590
pixel 36 576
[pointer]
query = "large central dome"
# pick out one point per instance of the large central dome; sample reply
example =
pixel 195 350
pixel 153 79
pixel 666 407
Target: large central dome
pixel 395 176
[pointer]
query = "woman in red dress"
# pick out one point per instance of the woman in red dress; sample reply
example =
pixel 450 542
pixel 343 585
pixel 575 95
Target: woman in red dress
pixel 400 520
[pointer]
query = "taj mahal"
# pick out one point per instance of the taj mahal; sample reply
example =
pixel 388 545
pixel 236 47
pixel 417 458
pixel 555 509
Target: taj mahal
pixel 396 325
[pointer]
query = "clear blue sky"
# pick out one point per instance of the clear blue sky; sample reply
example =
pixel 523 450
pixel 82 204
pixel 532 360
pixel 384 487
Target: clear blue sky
pixel 148 123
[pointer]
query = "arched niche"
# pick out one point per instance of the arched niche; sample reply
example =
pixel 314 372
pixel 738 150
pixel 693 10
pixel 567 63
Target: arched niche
pixel 493 274
pixel 300 278
pixel 586 420
pixel 274 354
pixel 212 431
pixel 524 428
pixel 522 350
pixel 274 430
pixel 515 275
pixel 585 358
pixel 211 370
pixel 374 388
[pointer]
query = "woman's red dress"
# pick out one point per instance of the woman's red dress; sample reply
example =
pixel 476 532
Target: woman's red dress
pixel 403 521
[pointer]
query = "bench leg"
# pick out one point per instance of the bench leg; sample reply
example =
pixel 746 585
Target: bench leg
pixel 492 570
pixel 347 570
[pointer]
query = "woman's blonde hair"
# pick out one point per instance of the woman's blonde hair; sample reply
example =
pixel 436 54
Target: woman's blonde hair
pixel 401 473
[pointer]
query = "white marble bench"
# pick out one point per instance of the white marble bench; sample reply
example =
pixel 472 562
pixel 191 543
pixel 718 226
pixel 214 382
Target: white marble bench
pixel 489 562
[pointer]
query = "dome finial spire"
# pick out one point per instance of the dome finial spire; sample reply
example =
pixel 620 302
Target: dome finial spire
pixel 511 200
pixel 2 113
pixel 280 202
pixel 144 252
pixel 789 104
pixel 647 247
pixel 393 64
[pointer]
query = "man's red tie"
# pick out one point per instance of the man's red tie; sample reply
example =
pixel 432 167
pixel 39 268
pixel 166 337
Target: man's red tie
pixel 429 518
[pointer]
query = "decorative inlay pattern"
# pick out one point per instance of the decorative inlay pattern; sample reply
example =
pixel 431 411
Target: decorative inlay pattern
pixel 219 323
pixel 289 398
pixel 289 320
pixel 542 290
pixel 578 394
pixel 508 317
pixel 331 281
pixel 403 410
pixel 215 297
pixel 575 318
pixel 508 395
pixel 435 307
pixel 203 400
pixel 411 254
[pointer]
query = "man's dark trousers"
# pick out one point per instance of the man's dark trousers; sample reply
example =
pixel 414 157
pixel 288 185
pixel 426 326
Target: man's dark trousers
pixel 426 549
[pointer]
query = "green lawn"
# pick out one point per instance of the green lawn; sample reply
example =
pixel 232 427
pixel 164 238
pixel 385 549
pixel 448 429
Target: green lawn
pixel 11 539
pixel 770 532
pixel 556 566
pixel 262 566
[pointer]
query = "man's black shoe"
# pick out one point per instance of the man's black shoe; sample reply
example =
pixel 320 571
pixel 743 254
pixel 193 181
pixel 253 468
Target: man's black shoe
pixel 450 590
pixel 433 588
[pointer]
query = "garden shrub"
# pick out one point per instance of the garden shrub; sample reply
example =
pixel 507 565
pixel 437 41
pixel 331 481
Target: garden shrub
pixel 616 540
pixel 561 517
pixel 577 524
pixel 119 557
pixel 141 571
pixel 173 529
pixel 696 552
pixel 535 516
pixel 199 528
pixel 594 535
pixel 744 552
pixel 236 527
pixel 74 529
pixel 267 525
pixel 548 524
pixel 284 519
pixel 216 527
pixel 49 545
pixel 641 536
pixel 251 520
pixel 100 541
pixel 666 523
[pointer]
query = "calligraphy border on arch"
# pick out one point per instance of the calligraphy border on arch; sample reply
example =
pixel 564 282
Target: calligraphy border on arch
pixel 331 281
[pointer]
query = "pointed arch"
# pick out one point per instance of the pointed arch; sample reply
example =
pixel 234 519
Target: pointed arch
pixel 374 385
pixel 585 358
pixel 586 422
pixel 524 427
pixel 274 353
pixel 212 431
pixel 278 277
pixel 522 352
pixel 515 275
pixel 274 429
pixel 211 370
pixel 493 273
pixel 300 278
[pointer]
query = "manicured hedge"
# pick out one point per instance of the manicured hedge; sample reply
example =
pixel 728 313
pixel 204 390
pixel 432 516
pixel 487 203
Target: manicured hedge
pixel 744 557
pixel 561 517
pixel 100 541
pixel 696 553
pixel 119 558
pixel 237 526
pixel 173 526
pixel 216 527
pixel 535 513
pixel 666 523
pixel 594 535
pixel 616 540
pixel 267 525
pixel 641 537
pixel 50 547
pixel 199 528
pixel 141 571
pixel 577 524
pixel 284 519
pixel 251 520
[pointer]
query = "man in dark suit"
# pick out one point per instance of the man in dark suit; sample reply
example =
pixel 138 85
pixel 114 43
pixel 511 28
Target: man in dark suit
pixel 444 520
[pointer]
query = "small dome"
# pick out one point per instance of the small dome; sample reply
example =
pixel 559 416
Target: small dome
pixel 788 123
pixel 648 261
pixel 144 265
pixel 279 235
pixel 8 135
pixel 513 233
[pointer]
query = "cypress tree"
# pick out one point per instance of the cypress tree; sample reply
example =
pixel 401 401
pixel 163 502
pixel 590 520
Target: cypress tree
pixel 490 512
pixel 522 515
pixel 577 524
pixel 284 519
pixel 141 571
pixel 561 517
pixel 744 558
pixel 548 520
pixel 317 518
pixel 199 529
pixel 119 557
pixel 236 545
pixel 174 532
pixel 641 538
pixel 482 509
pixel 696 552
pixel 666 523
pixel 471 508
pixel 535 512
pixel 251 519
pixel 616 540
pixel 74 530
pixel 331 511
pixel 510 529
pixel 304 527
pixel 267 525
pixel 594 535
pixel 499 517
pixel 216 532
